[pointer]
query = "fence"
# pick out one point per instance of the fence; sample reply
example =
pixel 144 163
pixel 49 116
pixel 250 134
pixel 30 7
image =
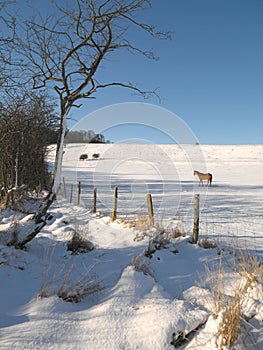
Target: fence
pixel 114 210
pixel 223 215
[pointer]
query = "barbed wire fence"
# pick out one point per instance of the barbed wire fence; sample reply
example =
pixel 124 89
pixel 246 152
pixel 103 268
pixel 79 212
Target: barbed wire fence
pixel 237 221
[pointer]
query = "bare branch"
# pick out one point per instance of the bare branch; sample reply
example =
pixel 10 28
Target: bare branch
pixel 68 49
pixel 131 86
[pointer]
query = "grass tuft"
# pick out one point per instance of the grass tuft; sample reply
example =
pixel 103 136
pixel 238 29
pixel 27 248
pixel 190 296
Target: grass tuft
pixel 141 265
pixel 230 309
pixel 230 322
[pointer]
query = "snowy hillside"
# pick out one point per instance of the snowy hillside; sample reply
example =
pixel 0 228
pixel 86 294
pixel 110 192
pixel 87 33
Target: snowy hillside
pixel 166 171
pixel 132 286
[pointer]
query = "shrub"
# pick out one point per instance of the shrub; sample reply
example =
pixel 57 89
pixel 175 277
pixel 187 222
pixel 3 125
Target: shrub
pixel 79 244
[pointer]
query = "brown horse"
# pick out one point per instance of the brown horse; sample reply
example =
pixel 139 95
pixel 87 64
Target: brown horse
pixel 202 177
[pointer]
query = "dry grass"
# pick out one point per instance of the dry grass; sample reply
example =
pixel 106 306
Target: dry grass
pixel 44 291
pixel 226 309
pixel 139 222
pixel 168 231
pixel 172 230
pixel 215 278
pixel 141 265
pixel 67 282
pixel 75 291
pixel 230 322
pixel 143 223
pixel 229 309
pixel 70 289
pixel 250 269
pixel 207 243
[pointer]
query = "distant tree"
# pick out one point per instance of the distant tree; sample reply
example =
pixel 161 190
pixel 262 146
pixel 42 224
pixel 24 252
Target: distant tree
pixel 98 138
pixel 82 136
pixel 90 135
pixel 64 51
pixel 73 137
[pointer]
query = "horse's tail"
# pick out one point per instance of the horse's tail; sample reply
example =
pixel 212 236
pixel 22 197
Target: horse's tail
pixel 211 178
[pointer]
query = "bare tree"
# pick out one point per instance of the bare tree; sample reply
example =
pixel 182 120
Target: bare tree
pixel 7 34
pixel 28 125
pixel 64 51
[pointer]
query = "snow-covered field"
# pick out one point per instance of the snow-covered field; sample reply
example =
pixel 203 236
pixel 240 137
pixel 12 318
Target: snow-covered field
pixel 126 298
pixel 232 206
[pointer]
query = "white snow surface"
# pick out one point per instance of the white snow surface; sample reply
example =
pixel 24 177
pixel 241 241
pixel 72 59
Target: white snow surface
pixel 125 299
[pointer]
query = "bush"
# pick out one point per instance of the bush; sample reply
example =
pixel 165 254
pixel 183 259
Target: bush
pixel 79 244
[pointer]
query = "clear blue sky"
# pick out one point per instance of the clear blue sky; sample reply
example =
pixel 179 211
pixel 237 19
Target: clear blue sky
pixel 210 74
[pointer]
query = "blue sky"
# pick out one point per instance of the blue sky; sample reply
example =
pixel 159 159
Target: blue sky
pixel 210 74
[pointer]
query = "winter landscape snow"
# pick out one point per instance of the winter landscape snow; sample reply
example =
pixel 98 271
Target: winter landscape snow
pixel 136 286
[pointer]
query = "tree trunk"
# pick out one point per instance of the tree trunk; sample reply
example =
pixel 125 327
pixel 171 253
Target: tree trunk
pixel 41 215
pixel 42 211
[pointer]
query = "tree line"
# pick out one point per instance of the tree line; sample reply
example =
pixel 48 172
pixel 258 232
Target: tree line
pixel 82 136
pixel 28 124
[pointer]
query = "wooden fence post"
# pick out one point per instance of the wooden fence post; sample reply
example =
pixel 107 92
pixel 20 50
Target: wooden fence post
pixel 196 219
pixel 79 192
pixel 65 189
pixel 71 193
pixel 114 210
pixel 94 200
pixel 150 208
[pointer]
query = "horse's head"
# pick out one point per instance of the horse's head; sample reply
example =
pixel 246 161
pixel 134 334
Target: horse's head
pixel 194 172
